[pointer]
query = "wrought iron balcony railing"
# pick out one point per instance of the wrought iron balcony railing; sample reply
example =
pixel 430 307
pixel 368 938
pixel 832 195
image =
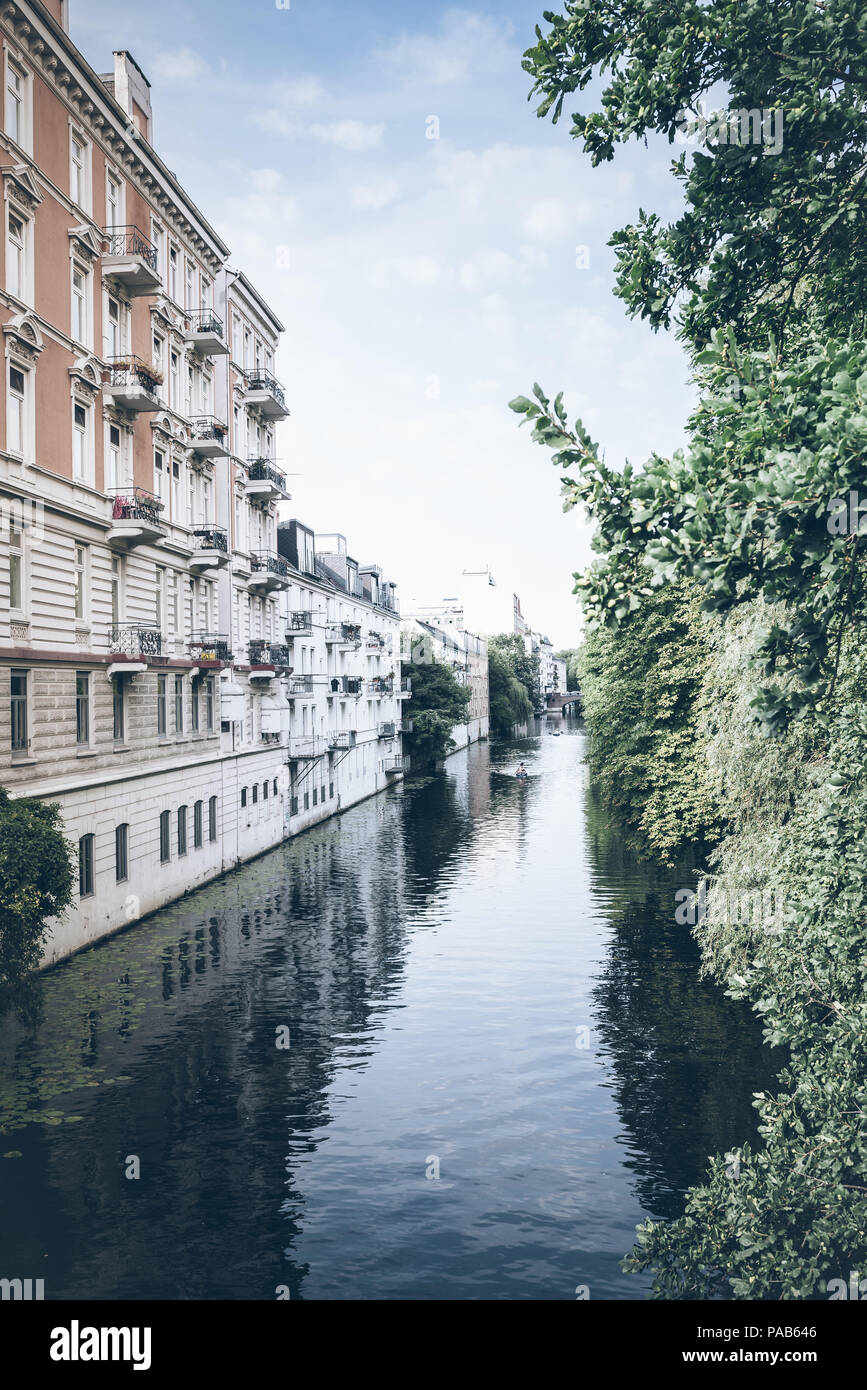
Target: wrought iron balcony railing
pixel 342 738
pixel 212 538
pixel 299 622
pixel 129 241
pixel 259 380
pixel 346 685
pixel 380 685
pixel 205 321
pixel 261 470
pixel 301 685
pixel 135 641
pixel 266 562
pixel 129 370
pixel 207 429
pixel 395 764
pixel 135 504
pixel 210 646
pixel 263 653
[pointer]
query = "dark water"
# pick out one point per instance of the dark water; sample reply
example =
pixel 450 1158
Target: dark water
pixel 434 954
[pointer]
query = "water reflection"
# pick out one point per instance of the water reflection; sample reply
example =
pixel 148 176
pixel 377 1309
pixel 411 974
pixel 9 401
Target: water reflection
pixel 431 955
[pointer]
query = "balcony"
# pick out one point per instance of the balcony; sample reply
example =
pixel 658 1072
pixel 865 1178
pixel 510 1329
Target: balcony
pixel 265 393
pixel 265 483
pixel 212 549
pixel 393 766
pixel 405 690
pixel 344 635
pixel 306 746
pixel 380 685
pixel 135 518
pixel 300 625
pixel 210 646
pixel 267 658
pixel 206 332
pixel 131 647
pixel 375 642
pixel 131 260
pixel 208 437
pixel 387 730
pixel 343 686
pixel 300 685
pixel 132 383
pixel 268 572
pixel 342 738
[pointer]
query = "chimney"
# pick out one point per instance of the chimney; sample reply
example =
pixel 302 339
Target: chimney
pixel 132 91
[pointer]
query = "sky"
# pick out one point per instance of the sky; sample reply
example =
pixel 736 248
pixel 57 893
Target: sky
pixel 433 248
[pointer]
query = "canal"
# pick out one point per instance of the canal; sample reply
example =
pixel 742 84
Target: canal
pixel 500 1059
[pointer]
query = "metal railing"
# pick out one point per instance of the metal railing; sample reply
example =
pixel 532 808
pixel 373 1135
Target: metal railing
pixel 210 646
pixel 345 685
pixel 260 470
pixel 301 685
pixel 205 321
pixel 262 653
pixel 260 380
pixel 406 684
pixel 135 641
pixel 375 641
pixel 212 538
pixel 380 685
pixel 300 621
pixel 207 429
pixel 129 370
pixel 342 738
pixel 129 241
pixel 306 746
pixel 395 764
pixel 266 562
pixel 135 504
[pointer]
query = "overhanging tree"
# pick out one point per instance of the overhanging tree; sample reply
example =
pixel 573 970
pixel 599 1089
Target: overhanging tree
pixel 439 702
pixel 36 879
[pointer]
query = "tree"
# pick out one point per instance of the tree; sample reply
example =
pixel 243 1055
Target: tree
pixel 36 879
pixel 508 701
pixel 522 664
pixel 570 655
pixel 771 236
pixel 439 702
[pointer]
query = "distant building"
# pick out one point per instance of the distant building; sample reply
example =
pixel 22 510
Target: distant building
pixel 439 637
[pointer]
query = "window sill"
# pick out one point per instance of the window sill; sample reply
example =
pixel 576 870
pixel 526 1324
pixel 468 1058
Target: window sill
pixel 22 762
pixel 122 748
pixel 85 753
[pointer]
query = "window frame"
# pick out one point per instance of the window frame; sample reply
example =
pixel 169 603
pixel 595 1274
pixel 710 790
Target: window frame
pixel 121 852
pixel 82 709
pixel 86 874
pixel 165 837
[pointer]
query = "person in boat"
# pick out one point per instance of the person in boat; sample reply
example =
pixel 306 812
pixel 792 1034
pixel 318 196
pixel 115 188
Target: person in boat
pixel 522 772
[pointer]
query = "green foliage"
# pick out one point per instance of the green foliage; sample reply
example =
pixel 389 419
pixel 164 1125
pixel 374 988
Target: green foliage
pixel 509 703
pixel 36 879
pixel 571 657
pixel 766 241
pixel 522 664
pixel 747 509
pixel 640 691
pixel 439 702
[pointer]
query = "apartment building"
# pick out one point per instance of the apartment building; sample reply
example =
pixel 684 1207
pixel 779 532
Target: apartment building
pixel 436 633
pixel 145 656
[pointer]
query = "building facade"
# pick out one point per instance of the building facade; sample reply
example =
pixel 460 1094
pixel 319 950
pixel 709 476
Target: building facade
pixel 148 637
pixel 439 636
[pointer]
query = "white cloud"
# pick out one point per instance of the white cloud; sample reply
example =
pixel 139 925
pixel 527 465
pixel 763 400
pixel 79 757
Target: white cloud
pixel 349 135
pixel 179 65
pixel 466 45
pixel 373 196
pixel 546 219
pixel 287 99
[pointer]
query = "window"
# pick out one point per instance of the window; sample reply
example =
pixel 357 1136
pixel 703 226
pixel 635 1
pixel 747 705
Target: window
pixel 321 791
pixel 248 338
pixel 264 791
pixel 81 595
pixel 330 790
pixel 161 476
pixel 80 325
pixel 18 694
pixel 315 795
pixel 16 569
pixel 161 705
pixel 78 182
pixel 113 332
pixel 173 273
pixel 194 707
pixel 114 468
pixel 306 801
pixel 198 836
pixel 191 285
pixel 237 341
pixel 121 853
pixel 179 704
pixel 15 411
pixel 82 708
pixel 174 602
pixel 174 373
pixel 275 789
pixel 80 440
pixel 116 589
pixel 114 202
pixel 255 793
pixel 165 833
pixel 176 490
pixel 212 819
pixel 182 830
pixel 209 704
pixel 243 796
pixel 158 353
pixel 118 709
pixel 158 239
pixel 16 81
pixel 85 866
